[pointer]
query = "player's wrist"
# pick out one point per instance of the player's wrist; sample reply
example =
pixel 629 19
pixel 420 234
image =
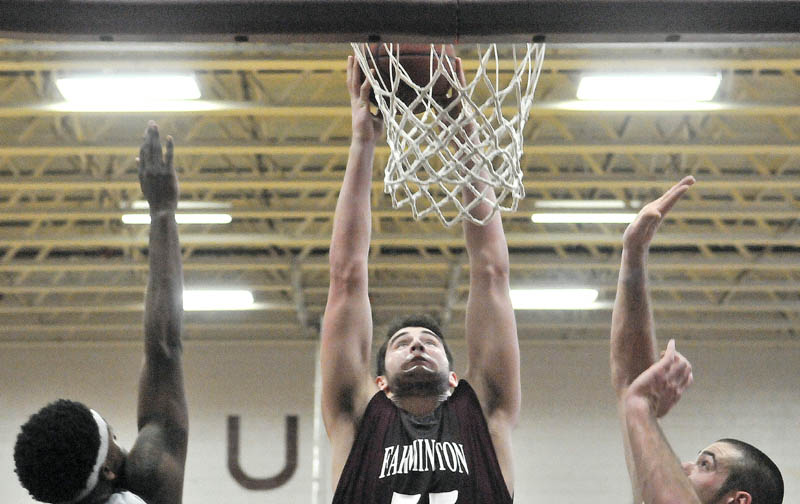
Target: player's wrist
pixel 638 404
pixel 635 254
pixel 362 141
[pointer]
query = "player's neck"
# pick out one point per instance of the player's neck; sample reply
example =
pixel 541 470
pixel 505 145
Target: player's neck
pixel 418 405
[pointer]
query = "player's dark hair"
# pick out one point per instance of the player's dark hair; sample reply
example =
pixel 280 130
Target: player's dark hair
pixel 56 451
pixel 754 473
pixel 416 320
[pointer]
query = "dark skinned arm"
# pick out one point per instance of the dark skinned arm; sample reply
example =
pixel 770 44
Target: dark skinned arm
pixel 156 463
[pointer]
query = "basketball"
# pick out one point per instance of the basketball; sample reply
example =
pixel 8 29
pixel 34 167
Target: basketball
pixel 416 60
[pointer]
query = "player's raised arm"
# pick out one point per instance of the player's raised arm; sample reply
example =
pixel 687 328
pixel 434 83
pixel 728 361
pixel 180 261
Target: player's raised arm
pixel 491 329
pixel 660 477
pixel 633 343
pixel 347 323
pixel 156 462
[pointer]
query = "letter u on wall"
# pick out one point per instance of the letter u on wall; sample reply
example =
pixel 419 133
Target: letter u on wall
pixel 272 482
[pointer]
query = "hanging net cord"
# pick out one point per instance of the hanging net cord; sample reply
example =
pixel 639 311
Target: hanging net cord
pixel 433 162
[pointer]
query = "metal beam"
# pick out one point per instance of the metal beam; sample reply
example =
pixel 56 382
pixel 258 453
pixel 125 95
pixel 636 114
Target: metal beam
pixel 445 239
pixel 300 307
pixel 606 284
pixel 688 211
pixel 452 290
pixel 273 306
pixel 210 108
pixel 306 182
pixel 342 149
pixel 265 62
pixel 673 261
pixel 259 330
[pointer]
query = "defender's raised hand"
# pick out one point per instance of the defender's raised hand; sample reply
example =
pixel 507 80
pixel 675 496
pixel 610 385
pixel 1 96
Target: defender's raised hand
pixel 663 383
pixel 156 174
pixel 640 232
pixel 367 127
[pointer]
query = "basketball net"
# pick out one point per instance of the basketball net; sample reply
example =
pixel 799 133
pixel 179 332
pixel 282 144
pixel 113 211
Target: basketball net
pixel 432 162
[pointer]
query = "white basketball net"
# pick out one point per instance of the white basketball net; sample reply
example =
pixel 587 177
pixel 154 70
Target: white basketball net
pixel 432 162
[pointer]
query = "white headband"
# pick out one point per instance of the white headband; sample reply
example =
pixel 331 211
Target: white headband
pixel 102 453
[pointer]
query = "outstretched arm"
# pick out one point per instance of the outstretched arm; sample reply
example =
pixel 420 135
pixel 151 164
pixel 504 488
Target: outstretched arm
pixel 633 343
pixel 660 477
pixel 347 324
pixel 491 329
pixel 156 462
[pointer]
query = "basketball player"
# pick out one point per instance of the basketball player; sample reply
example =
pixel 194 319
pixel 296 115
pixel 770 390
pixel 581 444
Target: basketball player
pixel 66 452
pixel 415 433
pixel 726 472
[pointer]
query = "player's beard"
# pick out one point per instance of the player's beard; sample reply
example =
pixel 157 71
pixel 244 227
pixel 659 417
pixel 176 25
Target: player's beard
pixel 432 385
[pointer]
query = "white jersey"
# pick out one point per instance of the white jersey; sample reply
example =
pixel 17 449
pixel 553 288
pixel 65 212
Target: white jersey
pixel 125 498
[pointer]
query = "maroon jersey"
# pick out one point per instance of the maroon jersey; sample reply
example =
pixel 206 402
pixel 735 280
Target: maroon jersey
pixel 446 457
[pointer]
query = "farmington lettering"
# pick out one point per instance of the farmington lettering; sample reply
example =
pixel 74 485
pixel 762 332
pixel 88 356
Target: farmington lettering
pixel 424 455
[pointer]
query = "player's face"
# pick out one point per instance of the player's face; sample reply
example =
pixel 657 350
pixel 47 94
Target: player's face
pixel 416 362
pixel 710 470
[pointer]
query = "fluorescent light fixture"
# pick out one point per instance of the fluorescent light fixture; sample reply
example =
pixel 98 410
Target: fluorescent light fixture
pixel 206 300
pixel 182 205
pixel 553 299
pixel 130 106
pixel 181 218
pixel 104 91
pixel 649 87
pixel 203 218
pixel 640 106
pixel 583 218
pixel 575 204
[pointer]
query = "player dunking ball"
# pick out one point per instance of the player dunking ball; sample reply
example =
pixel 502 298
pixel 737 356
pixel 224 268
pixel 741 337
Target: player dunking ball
pixel 66 452
pixel 728 471
pixel 415 433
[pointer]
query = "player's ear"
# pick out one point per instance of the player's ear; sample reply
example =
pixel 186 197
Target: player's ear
pixel 739 497
pixel 382 383
pixel 742 497
pixel 452 380
pixel 107 473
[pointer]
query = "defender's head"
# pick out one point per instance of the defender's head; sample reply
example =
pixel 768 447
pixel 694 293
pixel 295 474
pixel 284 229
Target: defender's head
pixel 65 451
pixel 415 359
pixel 733 472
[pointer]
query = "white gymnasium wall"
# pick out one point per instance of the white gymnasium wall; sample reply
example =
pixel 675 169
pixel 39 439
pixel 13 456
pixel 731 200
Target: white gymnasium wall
pixel 568 447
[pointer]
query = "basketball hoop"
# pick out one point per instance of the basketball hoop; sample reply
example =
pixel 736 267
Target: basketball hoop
pixel 431 160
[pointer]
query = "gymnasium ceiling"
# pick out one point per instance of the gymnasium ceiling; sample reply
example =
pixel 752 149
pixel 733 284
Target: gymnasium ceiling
pixel 725 265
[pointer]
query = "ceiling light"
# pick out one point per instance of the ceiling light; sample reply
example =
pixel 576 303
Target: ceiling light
pixel 649 87
pixel 182 205
pixel 553 299
pixel 206 300
pixel 640 106
pixel 181 218
pixel 583 218
pixel 587 204
pixel 130 106
pixel 104 91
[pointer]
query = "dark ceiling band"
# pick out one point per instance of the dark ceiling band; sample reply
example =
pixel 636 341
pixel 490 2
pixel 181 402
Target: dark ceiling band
pixel 417 20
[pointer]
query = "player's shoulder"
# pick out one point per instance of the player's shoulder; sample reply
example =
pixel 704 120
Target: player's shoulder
pixel 464 391
pixel 152 470
pixel 464 398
